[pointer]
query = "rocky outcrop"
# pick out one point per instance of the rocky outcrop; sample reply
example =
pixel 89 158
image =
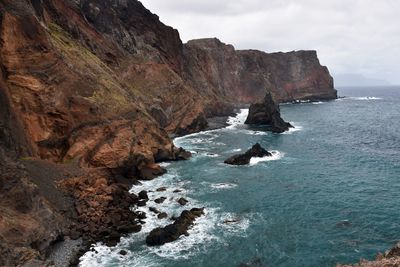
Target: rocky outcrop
pixel 390 258
pixel 243 159
pixel 172 232
pixel 244 76
pixel 267 113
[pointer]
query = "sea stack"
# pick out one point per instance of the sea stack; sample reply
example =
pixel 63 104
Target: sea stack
pixel 267 113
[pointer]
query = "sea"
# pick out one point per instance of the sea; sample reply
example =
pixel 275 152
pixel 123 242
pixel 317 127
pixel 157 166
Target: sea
pixel 329 194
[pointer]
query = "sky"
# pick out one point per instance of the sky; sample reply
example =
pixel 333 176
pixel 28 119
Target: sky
pixel 351 36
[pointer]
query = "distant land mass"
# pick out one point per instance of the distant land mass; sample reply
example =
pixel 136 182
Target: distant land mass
pixel 354 79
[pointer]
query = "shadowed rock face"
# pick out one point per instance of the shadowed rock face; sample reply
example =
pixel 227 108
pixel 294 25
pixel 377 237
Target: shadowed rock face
pixel 243 159
pixel 267 113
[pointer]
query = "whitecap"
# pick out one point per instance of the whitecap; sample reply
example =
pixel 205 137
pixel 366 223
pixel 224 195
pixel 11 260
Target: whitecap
pixel 276 155
pixel 296 127
pixel 367 98
pixel 223 185
pixel 317 103
pixel 239 119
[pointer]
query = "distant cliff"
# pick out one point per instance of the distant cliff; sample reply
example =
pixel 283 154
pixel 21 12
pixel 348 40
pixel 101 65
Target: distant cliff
pixel 244 75
pixel 90 90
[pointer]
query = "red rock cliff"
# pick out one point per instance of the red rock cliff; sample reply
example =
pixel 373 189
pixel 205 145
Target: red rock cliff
pixel 96 87
pixel 243 76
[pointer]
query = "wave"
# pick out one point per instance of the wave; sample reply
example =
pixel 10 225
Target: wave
pixel 361 98
pixel 296 128
pixel 239 119
pixel 276 155
pixel 223 185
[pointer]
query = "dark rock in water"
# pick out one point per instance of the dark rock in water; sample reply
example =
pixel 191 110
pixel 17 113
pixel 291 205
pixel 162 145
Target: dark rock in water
pixel 143 195
pixel 162 215
pixel 182 201
pixel 177 191
pixel 152 209
pixel 160 200
pixel 172 232
pixel 161 189
pixel 141 203
pixel 182 154
pixel 243 159
pixel 267 113
pixel 123 252
pixel 344 223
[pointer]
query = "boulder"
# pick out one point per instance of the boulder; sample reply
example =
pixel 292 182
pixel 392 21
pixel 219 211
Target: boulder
pixel 182 201
pixel 243 159
pixel 160 200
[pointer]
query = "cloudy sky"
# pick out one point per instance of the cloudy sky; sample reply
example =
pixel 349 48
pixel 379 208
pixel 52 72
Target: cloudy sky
pixel 351 36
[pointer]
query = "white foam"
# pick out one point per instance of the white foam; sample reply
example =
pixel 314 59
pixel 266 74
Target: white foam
pixel 367 98
pixel 223 185
pixel 296 128
pixel 317 103
pixel 276 155
pixel 239 119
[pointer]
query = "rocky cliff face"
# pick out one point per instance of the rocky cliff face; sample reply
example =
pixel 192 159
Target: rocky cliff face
pixel 94 88
pixel 244 75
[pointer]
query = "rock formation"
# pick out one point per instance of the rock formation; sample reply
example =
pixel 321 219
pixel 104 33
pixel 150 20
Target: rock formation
pixel 172 232
pixel 90 93
pixel 244 76
pixel 267 113
pixel 243 159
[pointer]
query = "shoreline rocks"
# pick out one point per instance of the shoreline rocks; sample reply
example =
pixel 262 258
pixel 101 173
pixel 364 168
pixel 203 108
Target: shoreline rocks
pixel 172 232
pixel 243 159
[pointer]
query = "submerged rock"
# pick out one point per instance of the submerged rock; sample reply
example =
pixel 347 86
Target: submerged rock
pixel 162 215
pixel 267 113
pixel 160 200
pixel 182 201
pixel 243 159
pixel 172 232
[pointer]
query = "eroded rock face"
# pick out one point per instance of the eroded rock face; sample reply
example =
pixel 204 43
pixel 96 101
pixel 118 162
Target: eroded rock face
pixel 243 159
pixel 172 232
pixel 267 113
pixel 244 75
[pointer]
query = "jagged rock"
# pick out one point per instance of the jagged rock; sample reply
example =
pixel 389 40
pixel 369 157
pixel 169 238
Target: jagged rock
pixel 143 195
pixel 160 200
pixel 154 210
pixel 161 189
pixel 182 201
pixel 243 159
pixel 267 113
pixel 162 215
pixel 172 232
pixel 151 171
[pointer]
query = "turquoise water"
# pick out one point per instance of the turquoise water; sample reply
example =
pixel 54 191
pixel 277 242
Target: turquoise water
pixel 329 194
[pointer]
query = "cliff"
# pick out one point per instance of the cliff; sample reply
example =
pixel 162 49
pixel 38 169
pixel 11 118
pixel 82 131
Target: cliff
pixel 89 93
pixel 244 75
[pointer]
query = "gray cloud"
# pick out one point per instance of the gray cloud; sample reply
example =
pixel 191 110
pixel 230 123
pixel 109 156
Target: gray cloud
pixel 351 36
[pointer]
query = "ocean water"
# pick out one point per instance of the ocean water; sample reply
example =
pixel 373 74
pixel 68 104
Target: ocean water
pixel 329 194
